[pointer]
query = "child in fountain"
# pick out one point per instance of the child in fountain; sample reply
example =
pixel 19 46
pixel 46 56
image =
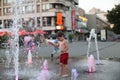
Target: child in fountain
pixel 63 47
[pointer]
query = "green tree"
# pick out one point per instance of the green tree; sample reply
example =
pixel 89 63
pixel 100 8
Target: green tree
pixel 70 37
pixel 3 38
pixel 113 17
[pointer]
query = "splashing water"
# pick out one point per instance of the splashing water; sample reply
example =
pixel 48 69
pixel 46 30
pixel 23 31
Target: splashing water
pixel 45 65
pixel 93 35
pixel 14 34
pixel 74 74
pixel 8 58
pixel 44 74
pixel 91 64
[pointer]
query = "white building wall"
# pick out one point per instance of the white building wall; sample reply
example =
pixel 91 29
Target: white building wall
pixel 39 13
pixel 68 20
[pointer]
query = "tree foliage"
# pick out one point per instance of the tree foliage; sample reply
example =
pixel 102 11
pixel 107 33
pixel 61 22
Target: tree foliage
pixel 113 17
pixel 3 38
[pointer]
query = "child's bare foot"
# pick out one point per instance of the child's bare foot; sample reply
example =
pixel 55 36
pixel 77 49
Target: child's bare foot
pixel 59 75
pixel 65 75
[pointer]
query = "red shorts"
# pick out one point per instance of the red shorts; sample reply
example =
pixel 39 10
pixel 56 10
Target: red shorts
pixel 64 58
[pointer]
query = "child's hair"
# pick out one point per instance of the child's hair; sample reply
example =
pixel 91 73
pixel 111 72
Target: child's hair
pixel 60 34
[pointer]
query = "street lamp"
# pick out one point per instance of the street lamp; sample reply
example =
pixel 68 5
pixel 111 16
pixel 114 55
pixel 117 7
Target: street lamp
pixel 59 27
pixel 111 26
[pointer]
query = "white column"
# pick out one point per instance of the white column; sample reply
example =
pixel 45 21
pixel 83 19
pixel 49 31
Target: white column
pixel 2 25
pixel 41 14
pixel 52 21
pixel 35 14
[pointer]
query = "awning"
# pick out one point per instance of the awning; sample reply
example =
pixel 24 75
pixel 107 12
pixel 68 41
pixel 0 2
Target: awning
pixel 23 32
pixel 3 33
pixel 83 18
pixel 82 30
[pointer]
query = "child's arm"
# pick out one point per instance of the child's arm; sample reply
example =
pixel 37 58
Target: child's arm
pixel 53 44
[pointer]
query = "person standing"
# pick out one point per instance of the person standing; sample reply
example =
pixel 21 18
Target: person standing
pixel 63 56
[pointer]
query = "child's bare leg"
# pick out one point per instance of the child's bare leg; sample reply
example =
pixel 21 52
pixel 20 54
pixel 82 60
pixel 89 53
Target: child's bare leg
pixel 60 69
pixel 65 69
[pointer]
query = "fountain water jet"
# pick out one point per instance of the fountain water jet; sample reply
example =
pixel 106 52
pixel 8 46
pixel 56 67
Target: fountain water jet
pixel 91 64
pixel 14 34
pixel 30 57
pixel 74 74
pixel 44 74
pixel 93 35
pixel 8 58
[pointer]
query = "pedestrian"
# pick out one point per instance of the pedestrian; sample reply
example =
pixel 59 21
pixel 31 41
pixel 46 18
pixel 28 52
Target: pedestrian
pixel 87 40
pixel 55 49
pixel 63 56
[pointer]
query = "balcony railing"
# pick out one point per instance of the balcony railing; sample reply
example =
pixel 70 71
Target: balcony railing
pixel 7 14
pixel 28 1
pixel 7 4
pixel 67 3
pixel 54 1
pixel 76 2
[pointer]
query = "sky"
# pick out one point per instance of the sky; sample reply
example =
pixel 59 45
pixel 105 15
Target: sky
pixel 103 5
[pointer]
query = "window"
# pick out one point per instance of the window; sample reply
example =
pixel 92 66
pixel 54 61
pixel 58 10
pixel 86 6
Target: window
pixel 23 9
pixel 0 12
pixel 43 7
pixel 53 5
pixel 7 11
pixel 30 9
pixel 38 21
pixel 0 3
pixel 28 22
pixel 8 23
pixel 49 21
pixel 46 7
pixel 7 1
pixel 37 1
pixel 38 8
pixel 45 0
pixel 46 21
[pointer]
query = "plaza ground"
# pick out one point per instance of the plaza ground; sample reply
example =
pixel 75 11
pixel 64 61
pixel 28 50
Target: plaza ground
pixel 109 70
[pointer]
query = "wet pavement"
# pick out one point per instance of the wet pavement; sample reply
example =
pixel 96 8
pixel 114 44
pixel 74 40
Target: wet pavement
pixel 76 49
pixel 108 70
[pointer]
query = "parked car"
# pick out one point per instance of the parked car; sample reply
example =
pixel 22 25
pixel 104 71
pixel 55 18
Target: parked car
pixel 118 37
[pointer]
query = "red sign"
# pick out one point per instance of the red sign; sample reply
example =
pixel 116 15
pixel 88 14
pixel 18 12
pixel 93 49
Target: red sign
pixel 59 18
pixel 73 19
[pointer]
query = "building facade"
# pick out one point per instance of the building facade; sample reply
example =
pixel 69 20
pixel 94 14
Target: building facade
pixel 97 21
pixel 41 14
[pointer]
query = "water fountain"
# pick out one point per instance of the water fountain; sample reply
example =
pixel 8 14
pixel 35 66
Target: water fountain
pixel 93 35
pixel 91 64
pixel 44 74
pixel 8 58
pixel 30 57
pixel 74 74
pixel 21 69
pixel 15 36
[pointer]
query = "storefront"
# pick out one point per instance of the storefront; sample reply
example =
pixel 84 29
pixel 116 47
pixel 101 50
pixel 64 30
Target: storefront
pixel 81 34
